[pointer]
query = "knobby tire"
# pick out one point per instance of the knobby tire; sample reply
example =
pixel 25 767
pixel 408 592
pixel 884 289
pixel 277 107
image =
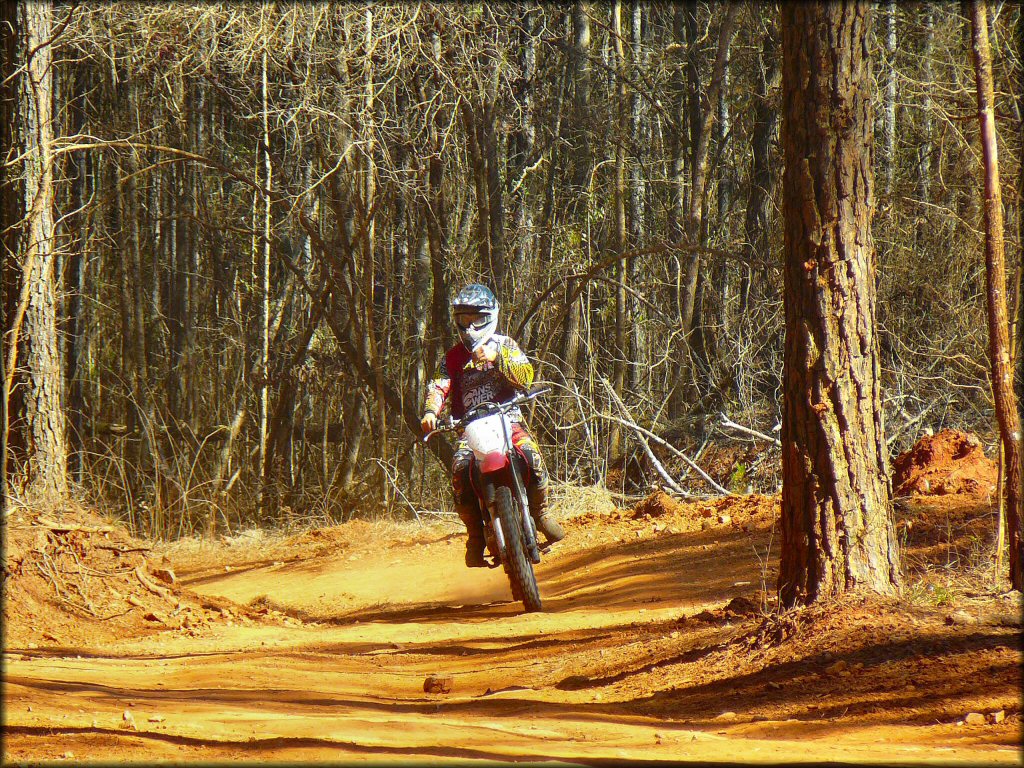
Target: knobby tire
pixel 516 562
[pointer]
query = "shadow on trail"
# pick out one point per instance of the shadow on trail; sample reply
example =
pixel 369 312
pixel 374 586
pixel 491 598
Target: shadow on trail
pixel 684 569
pixel 805 703
pixel 258 747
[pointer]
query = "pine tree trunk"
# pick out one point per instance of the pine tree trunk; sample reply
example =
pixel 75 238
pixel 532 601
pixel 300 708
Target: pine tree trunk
pixel 32 327
pixel 837 531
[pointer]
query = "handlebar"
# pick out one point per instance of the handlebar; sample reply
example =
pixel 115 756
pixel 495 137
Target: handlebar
pixel 484 409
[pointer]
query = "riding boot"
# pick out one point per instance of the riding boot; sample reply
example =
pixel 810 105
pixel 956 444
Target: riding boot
pixel 470 516
pixel 537 495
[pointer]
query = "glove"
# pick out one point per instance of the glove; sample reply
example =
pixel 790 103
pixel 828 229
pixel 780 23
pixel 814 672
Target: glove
pixel 429 421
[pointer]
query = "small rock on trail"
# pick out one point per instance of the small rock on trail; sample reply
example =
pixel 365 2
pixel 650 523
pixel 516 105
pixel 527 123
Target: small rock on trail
pixel 438 683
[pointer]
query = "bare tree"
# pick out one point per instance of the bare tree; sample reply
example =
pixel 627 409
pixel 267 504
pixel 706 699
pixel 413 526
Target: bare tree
pixel 998 316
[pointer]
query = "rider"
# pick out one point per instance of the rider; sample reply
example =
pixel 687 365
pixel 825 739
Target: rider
pixel 482 367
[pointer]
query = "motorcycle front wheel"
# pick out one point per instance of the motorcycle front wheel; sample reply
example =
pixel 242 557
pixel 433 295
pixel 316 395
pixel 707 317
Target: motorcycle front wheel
pixel 516 562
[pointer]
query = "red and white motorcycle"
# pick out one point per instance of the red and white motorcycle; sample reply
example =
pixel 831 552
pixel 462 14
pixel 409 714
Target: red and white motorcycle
pixel 497 473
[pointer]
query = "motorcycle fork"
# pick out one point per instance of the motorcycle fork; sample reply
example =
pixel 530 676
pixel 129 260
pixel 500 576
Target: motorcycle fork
pixel 515 461
pixel 512 478
pixel 484 485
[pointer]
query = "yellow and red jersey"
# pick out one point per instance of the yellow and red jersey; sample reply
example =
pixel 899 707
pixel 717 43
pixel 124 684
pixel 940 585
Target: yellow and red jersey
pixel 462 383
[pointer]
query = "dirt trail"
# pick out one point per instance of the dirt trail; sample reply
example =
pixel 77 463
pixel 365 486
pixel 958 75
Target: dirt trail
pixel 654 645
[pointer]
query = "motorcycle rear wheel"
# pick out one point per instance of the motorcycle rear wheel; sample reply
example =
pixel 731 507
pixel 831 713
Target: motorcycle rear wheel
pixel 516 562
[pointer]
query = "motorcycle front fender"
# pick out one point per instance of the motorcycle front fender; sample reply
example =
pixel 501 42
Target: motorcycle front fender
pixel 493 462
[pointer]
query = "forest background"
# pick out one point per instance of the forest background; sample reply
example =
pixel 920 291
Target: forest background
pixel 261 212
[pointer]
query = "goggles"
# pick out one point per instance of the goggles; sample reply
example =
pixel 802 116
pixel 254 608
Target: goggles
pixel 472 320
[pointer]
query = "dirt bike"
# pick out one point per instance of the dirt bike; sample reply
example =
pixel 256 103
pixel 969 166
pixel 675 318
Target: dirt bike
pixel 497 473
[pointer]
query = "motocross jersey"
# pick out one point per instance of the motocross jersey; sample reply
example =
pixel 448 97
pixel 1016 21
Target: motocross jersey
pixel 463 383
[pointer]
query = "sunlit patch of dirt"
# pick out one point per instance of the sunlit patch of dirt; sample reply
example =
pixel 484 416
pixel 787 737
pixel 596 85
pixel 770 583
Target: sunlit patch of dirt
pixel 660 640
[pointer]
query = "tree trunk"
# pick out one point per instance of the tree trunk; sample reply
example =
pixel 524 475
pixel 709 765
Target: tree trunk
pixel 31 329
pixel 471 121
pixel 837 532
pixel 369 246
pixel 77 242
pixel 437 224
pixel 1019 335
pixel 619 237
pixel 924 149
pixel 264 272
pixel 701 120
pixel 355 421
pixel 758 220
pixel 521 154
pixel 702 148
pixel 998 317
pixel 723 269
pixel 640 133
pixel 889 111
pixel 580 81
pixel 10 215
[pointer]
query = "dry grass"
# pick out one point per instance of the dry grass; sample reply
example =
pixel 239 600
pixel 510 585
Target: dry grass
pixel 568 501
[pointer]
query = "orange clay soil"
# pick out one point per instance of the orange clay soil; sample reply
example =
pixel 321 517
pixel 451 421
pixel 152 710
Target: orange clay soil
pixel 658 642
pixel 949 462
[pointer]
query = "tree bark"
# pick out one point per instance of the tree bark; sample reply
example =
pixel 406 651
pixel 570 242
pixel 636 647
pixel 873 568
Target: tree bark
pixel 837 533
pixel 32 328
pixel 995 280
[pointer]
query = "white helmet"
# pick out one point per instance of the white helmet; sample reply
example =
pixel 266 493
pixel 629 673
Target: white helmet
pixel 475 311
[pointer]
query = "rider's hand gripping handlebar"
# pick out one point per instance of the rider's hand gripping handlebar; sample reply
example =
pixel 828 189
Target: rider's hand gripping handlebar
pixel 449 424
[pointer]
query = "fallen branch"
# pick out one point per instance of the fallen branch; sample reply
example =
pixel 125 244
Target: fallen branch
pixel 710 481
pixel 384 469
pixel 727 422
pixel 68 527
pixel 672 484
pixel 156 590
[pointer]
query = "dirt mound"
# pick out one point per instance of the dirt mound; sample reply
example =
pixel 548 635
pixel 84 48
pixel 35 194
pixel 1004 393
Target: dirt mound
pixel 663 514
pixel 735 508
pixel 71 578
pixel 657 504
pixel 946 463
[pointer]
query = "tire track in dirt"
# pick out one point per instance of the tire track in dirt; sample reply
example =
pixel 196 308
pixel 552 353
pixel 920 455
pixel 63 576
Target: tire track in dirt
pixel 638 656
